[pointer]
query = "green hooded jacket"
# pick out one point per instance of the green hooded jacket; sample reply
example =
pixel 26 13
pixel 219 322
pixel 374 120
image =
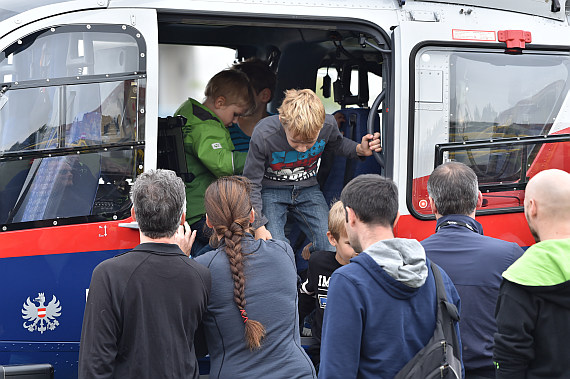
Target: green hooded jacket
pixel 545 263
pixel 209 154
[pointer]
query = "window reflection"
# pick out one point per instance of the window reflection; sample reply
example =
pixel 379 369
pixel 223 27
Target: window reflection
pixel 66 186
pixel 494 97
pixel 484 96
pixel 99 113
pixel 70 51
pixel 96 122
pixel 497 95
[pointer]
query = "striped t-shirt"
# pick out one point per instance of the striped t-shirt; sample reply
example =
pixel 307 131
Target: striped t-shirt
pixel 239 138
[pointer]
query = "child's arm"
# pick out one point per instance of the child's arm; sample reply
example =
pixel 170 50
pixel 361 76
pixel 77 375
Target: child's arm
pixel 306 253
pixel 253 170
pixel 211 146
pixel 308 286
pixel 347 147
pixel 369 144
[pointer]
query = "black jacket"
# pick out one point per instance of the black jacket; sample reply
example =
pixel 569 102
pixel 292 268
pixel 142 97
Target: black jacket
pixel 533 314
pixel 142 311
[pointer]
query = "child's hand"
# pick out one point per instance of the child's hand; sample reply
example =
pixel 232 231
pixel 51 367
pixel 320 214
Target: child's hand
pixel 306 253
pixel 369 144
pixel 262 233
pixel 184 238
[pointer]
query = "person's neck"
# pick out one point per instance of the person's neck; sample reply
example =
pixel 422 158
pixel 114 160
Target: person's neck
pixel 438 216
pixel 339 260
pixel 372 234
pixel 246 124
pixel 146 239
pixel 554 231
pixel 209 103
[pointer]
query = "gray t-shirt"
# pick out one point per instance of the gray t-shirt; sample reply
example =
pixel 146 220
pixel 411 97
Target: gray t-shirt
pixel 271 161
pixel 271 295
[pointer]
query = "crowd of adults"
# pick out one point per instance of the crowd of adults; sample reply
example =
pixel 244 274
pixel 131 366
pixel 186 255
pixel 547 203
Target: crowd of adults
pixel 234 293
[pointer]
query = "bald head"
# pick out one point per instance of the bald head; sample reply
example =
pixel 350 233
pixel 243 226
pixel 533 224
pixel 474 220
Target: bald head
pixel 547 203
pixel 551 190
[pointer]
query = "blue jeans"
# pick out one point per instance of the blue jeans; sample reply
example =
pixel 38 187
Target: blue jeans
pixel 308 208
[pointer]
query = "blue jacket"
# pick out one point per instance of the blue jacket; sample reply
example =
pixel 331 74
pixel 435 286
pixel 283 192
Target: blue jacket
pixel 474 263
pixel 381 310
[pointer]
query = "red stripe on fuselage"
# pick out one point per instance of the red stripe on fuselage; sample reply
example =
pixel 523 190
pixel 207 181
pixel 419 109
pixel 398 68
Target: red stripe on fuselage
pixel 68 239
pixel 508 226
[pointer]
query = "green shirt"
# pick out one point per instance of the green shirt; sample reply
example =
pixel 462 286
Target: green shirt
pixel 209 154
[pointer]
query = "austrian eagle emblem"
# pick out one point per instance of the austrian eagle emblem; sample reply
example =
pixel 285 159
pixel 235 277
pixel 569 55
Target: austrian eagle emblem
pixel 41 317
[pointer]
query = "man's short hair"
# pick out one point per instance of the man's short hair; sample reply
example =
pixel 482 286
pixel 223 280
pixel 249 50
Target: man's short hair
pixel 260 75
pixel 159 199
pixel 336 220
pixel 454 189
pixel 302 113
pixel 373 198
pixel 234 86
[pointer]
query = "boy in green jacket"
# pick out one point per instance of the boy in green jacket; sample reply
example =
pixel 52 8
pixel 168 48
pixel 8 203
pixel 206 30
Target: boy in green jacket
pixel 207 144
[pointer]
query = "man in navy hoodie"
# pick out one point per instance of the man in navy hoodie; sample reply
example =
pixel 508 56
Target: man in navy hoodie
pixel 474 262
pixel 381 308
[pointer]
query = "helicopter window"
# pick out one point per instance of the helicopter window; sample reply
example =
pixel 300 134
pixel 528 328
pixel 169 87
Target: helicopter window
pixel 70 124
pixel 487 97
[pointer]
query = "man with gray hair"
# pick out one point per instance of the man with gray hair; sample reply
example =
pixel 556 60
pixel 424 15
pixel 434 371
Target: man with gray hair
pixel 474 262
pixel 145 305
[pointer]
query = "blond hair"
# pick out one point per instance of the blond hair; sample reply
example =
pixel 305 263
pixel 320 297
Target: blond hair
pixel 337 218
pixel 302 113
pixel 234 86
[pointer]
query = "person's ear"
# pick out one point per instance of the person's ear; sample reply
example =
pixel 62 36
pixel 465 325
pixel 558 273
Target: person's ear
pixel 183 218
pixel 350 216
pixel 251 216
pixel 397 219
pixel 219 102
pixel 332 240
pixel 208 222
pixel 265 95
pixel 133 213
pixel 532 208
pixel 432 205
pixel 479 199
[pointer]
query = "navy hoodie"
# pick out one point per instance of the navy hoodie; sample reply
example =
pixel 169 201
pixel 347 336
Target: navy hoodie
pixel 381 310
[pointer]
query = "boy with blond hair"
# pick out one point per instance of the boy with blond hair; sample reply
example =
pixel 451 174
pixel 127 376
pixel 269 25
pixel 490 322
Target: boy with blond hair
pixel 282 165
pixel 207 144
pixel 321 266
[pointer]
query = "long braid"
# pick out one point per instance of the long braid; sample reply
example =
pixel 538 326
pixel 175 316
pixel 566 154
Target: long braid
pixel 233 206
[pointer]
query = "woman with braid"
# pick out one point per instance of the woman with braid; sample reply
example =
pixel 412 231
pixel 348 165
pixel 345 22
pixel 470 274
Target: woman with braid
pixel 251 325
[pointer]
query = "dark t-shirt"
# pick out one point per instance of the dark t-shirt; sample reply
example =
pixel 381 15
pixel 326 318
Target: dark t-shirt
pixel 321 266
pixel 143 309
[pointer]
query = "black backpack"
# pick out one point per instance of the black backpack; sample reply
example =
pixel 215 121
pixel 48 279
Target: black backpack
pixel 440 357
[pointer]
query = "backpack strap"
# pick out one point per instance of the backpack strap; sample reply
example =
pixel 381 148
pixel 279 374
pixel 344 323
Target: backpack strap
pixel 446 311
